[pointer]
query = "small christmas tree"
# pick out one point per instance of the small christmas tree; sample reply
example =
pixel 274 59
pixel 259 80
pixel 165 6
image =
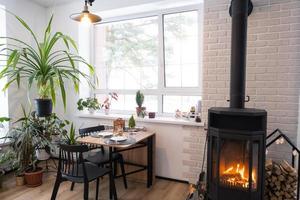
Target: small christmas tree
pixel 131 122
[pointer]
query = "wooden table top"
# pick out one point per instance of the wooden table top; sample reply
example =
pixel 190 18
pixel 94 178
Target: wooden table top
pixel 137 136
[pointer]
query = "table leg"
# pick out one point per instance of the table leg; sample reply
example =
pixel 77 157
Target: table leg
pixel 149 161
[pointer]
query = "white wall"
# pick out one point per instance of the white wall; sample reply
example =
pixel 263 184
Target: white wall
pixel 34 15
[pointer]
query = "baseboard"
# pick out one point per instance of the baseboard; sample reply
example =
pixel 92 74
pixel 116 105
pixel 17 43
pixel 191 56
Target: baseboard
pixel 172 179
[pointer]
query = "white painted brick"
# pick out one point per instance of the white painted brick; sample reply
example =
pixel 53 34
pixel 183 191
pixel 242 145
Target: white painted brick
pixel 273 69
pixel 268 36
pixel 294 34
pixel 280 14
pixel 295 27
pixel 295 12
pixel 280 28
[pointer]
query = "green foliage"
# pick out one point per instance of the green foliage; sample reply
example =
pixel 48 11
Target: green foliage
pixel 139 98
pixel 90 103
pixel 29 135
pixel 8 157
pixel 131 122
pixel 43 63
pixel 4 119
pixel 71 138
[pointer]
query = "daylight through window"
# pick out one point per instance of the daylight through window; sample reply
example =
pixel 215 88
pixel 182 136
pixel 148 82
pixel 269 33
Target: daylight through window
pixel 159 54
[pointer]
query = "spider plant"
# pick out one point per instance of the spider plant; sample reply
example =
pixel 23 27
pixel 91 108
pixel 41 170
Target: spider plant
pixel 43 64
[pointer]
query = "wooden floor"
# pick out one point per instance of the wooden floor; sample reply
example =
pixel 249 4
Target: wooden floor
pixel 161 190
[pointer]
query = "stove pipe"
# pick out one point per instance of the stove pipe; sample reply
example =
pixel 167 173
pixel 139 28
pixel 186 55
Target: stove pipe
pixel 239 10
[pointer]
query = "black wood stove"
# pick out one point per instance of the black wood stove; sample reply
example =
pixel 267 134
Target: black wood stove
pixel 236 135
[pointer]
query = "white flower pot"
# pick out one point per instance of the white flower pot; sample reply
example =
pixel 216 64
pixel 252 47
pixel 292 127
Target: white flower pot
pixel 91 110
pixel 41 154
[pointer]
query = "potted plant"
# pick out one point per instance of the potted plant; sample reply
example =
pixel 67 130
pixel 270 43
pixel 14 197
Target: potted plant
pixel 51 126
pixel 25 138
pixel 43 64
pixel 9 159
pixel 107 102
pixel 140 110
pixel 6 159
pixel 91 104
pixel 131 122
pixel 70 138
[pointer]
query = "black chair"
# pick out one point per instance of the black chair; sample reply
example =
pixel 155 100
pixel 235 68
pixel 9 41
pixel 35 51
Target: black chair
pixel 102 157
pixel 72 167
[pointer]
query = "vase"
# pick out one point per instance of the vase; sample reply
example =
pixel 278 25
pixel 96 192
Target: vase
pixel 106 111
pixel 141 111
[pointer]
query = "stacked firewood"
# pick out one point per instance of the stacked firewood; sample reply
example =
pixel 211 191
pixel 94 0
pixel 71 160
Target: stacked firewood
pixel 281 181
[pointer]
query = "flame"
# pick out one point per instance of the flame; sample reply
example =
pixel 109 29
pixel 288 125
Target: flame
pixel 236 176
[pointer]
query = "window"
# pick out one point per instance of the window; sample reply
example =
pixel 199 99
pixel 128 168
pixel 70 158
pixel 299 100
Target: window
pixel 3 96
pixel 157 53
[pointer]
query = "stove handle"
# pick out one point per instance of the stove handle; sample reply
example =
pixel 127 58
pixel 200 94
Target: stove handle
pixel 246 100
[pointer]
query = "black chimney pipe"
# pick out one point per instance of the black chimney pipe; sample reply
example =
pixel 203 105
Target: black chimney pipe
pixel 239 10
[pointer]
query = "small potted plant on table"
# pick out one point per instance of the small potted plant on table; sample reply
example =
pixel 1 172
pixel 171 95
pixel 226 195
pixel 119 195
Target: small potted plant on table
pixel 131 123
pixel 140 110
pixel 91 104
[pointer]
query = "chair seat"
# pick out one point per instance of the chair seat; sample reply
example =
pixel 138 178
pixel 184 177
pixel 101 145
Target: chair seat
pixel 99 157
pixel 92 170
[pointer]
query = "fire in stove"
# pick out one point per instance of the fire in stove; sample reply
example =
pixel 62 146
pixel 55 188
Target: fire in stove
pixel 235 176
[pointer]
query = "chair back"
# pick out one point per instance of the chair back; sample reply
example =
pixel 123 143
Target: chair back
pixel 87 131
pixel 71 162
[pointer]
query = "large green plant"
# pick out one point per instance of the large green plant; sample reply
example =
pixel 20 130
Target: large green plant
pixel 25 137
pixel 43 63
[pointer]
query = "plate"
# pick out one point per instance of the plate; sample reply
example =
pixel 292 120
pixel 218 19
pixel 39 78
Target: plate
pixel 118 138
pixel 105 134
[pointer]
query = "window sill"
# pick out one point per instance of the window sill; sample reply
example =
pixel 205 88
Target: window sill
pixel 157 120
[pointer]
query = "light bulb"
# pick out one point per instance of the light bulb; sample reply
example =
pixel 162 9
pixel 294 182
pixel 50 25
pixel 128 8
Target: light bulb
pixel 86 20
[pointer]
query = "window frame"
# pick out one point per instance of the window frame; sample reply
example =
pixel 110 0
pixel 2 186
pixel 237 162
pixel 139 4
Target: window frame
pixel 161 87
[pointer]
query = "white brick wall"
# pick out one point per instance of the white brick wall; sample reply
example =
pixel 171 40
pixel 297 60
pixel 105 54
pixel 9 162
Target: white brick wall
pixel 273 68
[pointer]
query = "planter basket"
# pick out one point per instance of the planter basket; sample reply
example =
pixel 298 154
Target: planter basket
pixel 20 181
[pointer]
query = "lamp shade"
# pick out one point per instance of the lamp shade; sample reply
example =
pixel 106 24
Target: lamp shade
pixel 86 16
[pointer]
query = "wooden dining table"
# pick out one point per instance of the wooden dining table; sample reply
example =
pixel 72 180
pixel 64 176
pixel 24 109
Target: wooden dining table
pixel 136 140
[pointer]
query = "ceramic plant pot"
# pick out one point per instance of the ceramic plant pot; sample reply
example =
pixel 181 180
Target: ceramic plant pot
pixel 34 179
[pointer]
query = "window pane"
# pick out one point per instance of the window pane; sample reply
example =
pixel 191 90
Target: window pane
pixel 126 54
pixel 181 49
pixel 128 103
pixel 183 103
